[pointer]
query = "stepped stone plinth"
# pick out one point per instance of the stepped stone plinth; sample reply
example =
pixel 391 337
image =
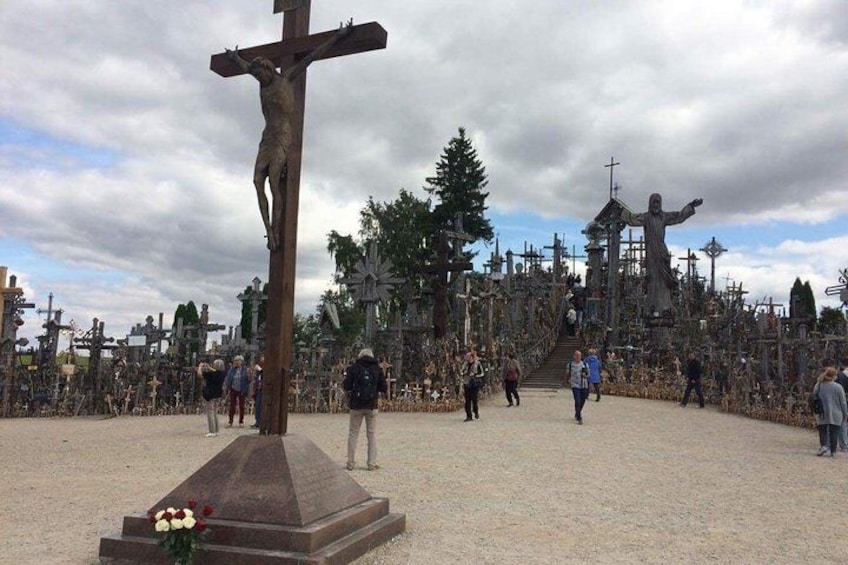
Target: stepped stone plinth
pixel 278 500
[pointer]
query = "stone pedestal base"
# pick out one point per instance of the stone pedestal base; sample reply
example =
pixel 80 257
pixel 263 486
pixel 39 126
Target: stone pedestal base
pixel 277 500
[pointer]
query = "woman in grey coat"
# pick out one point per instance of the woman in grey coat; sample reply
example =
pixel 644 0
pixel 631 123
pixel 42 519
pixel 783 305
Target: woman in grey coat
pixel 834 413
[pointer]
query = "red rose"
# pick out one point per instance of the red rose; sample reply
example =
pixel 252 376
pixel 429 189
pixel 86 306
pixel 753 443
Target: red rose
pixel 200 526
pixel 192 504
pixel 207 510
pixel 152 517
pixel 179 515
pixel 167 516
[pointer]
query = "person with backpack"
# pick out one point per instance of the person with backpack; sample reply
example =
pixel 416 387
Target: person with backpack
pixel 364 381
pixel 512 374
pixel 472 382
pixel 578 375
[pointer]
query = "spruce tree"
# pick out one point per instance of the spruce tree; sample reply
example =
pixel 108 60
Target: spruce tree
pixel 802 303
pixel 458 185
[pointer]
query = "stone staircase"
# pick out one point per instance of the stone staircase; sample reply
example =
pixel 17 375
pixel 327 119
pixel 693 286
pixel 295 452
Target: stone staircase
pixel 550 373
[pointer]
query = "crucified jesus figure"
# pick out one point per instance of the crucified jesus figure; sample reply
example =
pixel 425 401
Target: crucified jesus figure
pixel 276 95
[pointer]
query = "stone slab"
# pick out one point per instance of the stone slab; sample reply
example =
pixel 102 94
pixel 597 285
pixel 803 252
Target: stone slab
pixel 284 480
pixel 277 500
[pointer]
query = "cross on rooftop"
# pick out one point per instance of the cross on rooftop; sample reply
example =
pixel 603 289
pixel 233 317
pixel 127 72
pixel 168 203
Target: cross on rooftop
pixel 611 166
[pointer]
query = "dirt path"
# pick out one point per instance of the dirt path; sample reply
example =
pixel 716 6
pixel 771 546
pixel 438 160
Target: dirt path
pixel 640 482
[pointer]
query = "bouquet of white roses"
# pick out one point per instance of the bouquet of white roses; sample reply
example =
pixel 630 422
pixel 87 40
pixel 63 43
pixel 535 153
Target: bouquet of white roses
pixel 183 530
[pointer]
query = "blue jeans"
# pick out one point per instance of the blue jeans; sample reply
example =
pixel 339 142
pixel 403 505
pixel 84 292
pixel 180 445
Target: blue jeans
pixel 580 396
pixel 693 384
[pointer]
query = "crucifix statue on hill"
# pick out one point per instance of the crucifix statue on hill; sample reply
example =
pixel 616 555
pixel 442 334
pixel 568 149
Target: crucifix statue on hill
pixel 282 95
pixel 660 278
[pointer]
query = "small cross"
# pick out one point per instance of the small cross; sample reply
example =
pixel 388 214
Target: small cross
pixel 611 165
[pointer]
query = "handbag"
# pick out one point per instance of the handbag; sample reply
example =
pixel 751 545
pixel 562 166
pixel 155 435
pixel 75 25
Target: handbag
pixel 816 404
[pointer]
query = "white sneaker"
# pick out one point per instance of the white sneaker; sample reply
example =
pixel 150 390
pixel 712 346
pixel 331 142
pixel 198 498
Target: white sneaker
pixel 822 450
pixel 210 434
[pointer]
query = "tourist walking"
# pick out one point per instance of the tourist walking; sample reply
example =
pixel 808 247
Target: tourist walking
pixel 578 375
pixel 512 375
pixel 571 321
pixel 237 384
pixel 213 383
pixel 364 381
pixel 834 411
pixel 693 380
pixel 472 382
pixel 594 365
pixel 258 373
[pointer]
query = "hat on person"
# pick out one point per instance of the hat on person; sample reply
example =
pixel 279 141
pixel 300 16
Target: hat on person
pixel 366 352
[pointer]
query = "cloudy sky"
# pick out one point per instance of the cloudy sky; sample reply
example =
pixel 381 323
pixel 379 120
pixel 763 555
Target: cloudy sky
pixel 126 164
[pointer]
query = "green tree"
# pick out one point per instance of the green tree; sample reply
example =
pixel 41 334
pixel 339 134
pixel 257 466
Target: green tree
pixel 810 303
pixel 180 312
pixel 402 229
pixel 246 321
pixel 802 303
pixel 305 329
pixel 458 184
pixel 188 313
pixel 346 252
pixel 351 315
pixel 832 321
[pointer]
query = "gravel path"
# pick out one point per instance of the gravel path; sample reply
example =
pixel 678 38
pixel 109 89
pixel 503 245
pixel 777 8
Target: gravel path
pixel 641 482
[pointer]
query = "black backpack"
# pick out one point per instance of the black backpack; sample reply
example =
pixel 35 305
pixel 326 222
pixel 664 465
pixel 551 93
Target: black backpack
pixel 364 385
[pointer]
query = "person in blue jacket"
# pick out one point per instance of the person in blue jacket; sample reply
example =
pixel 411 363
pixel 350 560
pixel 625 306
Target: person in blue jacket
pixel 594 365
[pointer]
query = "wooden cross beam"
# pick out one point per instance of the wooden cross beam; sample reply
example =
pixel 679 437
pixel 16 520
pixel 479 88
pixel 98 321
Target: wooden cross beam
pixel 295 46
pixel 441 268
pixel 611 165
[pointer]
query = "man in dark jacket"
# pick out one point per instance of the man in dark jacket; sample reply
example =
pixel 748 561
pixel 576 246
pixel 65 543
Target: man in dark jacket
pixel 693 380
pixel 364 381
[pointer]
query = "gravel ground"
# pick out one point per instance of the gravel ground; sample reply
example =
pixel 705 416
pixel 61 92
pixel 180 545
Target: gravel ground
pixel 641 482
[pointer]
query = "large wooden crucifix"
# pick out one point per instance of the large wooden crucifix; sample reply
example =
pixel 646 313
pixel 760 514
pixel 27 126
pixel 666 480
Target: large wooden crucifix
pixel 296 50
pixel 441 268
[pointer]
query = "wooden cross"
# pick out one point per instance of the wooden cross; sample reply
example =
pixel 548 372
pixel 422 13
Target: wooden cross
pixel 690 259
pixel 467 299
pixel 371 283
pixel 154 382
pixel 611 165
pixel 441 268
pixel 296 44
pixel 574 257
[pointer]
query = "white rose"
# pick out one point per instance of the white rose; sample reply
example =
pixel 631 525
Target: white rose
pixel 159 515
pixel 188 512
pixel 162 526
pixel 172 510
pixel 176 524
pixel 189 522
